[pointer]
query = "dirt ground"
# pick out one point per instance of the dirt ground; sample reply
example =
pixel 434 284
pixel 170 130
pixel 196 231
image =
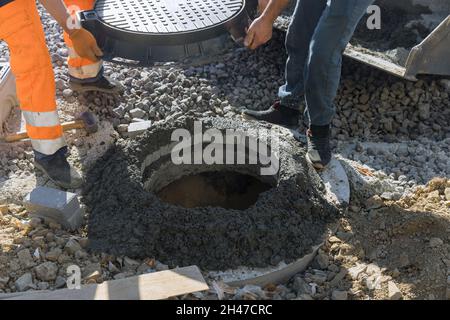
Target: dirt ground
pixel 408 239
pixel 377 243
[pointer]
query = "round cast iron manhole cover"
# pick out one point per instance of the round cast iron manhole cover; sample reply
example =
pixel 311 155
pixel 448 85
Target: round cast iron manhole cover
pixel 166 30
pixel 167 16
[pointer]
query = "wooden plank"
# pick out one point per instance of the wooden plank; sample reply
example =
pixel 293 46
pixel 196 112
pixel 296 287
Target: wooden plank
pixel 153 286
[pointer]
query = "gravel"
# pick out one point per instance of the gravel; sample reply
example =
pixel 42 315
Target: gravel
pixel 24 282
pixel 372 106
pixel 46 271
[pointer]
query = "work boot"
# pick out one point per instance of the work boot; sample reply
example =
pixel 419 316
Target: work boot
pixel 58 169
pixel 276 114
pixel 103 84
pixel 319 149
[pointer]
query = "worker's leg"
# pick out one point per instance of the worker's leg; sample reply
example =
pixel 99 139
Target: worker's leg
pixel 304 22
pixel 31 65
pixel 323 68
pixel 85 75
pixel 21 28
pixel 323 72
pixel 286 111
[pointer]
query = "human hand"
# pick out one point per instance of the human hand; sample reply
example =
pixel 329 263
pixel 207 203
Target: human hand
pixel 259 33
pixel 85 44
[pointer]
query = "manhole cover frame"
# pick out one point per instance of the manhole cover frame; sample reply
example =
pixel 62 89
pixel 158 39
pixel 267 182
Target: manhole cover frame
pixel 146 48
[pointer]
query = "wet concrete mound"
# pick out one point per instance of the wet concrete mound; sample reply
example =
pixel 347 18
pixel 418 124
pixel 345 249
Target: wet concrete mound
pixel 143 203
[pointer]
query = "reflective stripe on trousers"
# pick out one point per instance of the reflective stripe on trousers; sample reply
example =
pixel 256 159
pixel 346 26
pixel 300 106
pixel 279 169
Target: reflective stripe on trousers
pixel 21 28
pixel 80 68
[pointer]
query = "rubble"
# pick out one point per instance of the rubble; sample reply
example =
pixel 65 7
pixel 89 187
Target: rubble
pixel 59 206
pixel 394 291
pixel 46 271
pixel 339 295
pixel 25 282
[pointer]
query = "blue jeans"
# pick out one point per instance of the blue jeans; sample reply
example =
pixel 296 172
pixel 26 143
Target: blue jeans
pixel 317 36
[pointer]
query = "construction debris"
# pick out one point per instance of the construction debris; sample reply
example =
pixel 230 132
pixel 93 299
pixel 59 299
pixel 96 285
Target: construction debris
pixel 154 286
pixel 59 206
pixel 136 128
pixel 394 291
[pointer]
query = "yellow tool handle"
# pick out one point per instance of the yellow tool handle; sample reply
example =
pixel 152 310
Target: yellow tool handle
pixel 65 126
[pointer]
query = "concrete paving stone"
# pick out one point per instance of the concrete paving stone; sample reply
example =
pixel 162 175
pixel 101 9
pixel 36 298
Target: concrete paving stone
pixel 59 206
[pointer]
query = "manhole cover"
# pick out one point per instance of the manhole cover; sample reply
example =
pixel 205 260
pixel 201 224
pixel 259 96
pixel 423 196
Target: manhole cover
pixel 148 31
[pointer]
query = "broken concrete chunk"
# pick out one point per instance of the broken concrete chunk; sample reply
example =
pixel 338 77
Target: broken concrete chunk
pixel 339 295
pixel 53 255
pixel 301 287
pixel 447 194
pixel 355 271
pixel 3 282
pixel 72 246
pixel 46 271
pixel 137 113
pixel 4 209
pixel 59 206
pixel 321 261
pixel 393 291
pixel 25 258
pixel 60 282
pixel 92 270
pixel 136 128
pixel 25 282
pixel 436 242
pixel 84 242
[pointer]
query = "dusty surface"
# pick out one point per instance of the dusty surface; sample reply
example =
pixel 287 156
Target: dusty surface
pixel 378 243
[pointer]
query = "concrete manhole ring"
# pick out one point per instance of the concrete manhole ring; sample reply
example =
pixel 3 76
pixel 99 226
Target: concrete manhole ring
pixel 127 215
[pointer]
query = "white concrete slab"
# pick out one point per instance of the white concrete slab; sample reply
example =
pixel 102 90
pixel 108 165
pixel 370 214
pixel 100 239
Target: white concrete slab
pixel 8 98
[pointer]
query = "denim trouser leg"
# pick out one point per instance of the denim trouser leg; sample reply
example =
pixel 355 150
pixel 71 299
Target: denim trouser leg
pixel 323 66
pixel 301 29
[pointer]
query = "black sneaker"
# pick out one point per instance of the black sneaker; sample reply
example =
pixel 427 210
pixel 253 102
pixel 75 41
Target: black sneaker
pixel 103 84
pixel 319 149
pixel 276 114
pixel 58 169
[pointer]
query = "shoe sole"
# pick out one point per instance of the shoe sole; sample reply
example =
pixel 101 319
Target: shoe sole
pixel 318 166
pixel 85 89
pixel 246 116
pixel 58 183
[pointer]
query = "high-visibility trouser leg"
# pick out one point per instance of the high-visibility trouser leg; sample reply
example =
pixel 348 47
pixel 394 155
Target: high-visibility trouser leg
pixel 21 28
pixel 81 69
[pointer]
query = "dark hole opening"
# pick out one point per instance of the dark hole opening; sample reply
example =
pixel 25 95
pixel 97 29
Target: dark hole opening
pixel 226 189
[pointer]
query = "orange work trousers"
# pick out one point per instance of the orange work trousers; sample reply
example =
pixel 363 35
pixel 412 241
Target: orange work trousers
pixel 21 29
pixel 80 68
